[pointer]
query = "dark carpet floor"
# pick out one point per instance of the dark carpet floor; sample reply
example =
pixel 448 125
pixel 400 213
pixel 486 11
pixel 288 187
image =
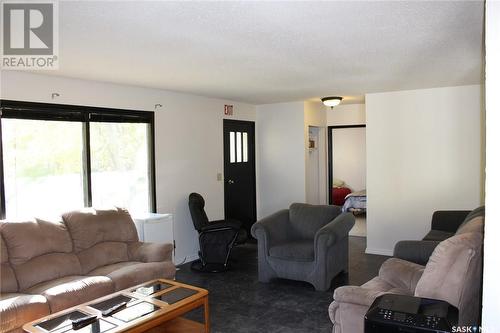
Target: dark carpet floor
pixel 239 303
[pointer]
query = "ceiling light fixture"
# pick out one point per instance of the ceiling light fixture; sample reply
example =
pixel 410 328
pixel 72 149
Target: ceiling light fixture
pixel 331 101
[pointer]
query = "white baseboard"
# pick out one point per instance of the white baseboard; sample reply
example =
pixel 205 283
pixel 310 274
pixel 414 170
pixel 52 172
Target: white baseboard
pixel 381 252
pixel 189 258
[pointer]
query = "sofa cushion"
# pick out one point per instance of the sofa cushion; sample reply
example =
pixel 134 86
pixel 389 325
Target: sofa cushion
pixel 102 254
pixel 302 250
pixel 8 281
pixel 69 291
pixel 95 232
pixel 128 274
pixel 27 240
pixel 39 251
pixel 306 219
pixel 438 235
pixel 18 309
pixel 89 227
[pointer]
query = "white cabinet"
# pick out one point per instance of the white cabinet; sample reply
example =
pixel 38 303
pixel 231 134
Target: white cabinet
pixel 155 228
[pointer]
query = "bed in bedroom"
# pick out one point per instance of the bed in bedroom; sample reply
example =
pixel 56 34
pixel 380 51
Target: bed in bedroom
pixel 355 202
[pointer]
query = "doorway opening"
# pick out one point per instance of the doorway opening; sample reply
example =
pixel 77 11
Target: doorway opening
pixel 347 172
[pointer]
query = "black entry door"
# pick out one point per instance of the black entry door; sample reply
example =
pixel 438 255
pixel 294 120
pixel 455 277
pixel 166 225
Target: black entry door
pixel 239 171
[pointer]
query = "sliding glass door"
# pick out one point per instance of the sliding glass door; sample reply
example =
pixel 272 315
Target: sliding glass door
pixel 56 158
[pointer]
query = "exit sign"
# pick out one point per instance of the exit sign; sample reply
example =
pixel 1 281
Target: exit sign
pixel 228 110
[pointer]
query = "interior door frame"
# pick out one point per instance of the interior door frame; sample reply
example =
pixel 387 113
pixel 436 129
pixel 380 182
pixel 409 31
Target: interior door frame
pixel 251 150
pixel 330 156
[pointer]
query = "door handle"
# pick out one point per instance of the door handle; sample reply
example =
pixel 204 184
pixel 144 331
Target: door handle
pixel 230 181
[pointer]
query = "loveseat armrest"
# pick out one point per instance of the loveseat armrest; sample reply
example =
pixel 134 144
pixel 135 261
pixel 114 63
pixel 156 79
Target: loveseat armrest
pixel 150 252
pixel 272 229
pixel 401 274
pixel 355 295
pixel 417 252
pixel 448 220
pixel 334 231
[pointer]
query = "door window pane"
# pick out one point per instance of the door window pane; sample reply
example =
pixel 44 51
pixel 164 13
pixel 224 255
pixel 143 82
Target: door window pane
pixel 120 165
pixel 238 147
pixel 232 148
pixel 42 167
pixel 245 147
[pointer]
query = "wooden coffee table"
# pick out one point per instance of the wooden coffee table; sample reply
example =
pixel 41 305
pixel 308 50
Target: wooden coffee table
pixel 154 306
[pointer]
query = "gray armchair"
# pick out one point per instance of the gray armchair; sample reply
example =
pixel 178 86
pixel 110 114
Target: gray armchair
pixel 305 243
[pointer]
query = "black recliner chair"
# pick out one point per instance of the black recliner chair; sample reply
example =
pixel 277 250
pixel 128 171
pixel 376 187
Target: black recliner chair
pixel 216 238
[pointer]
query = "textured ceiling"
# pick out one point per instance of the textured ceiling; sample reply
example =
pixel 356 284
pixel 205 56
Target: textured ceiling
pixel 266 52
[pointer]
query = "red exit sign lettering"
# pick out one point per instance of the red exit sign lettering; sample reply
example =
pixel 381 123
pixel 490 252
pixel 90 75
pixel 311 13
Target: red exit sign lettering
pixel 228 110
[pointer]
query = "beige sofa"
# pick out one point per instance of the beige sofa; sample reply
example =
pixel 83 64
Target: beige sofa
pixel 453 273
pixel 49 266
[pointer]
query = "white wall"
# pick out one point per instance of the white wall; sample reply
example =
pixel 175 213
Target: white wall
pixel 280 156
pixel 189 150
pixel 423 154
pixel 349 156
pixel 491 292
pixel 346 114
pixel 316 163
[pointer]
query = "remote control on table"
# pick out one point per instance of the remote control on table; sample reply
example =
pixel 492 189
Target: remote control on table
pixel 113 309
pixel 82 322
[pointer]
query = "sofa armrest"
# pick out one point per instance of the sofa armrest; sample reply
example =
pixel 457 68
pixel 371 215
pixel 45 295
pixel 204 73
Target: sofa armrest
pixel 401 274
pixel 272 229
pixel 355 295
pixel 448 220
pixel 417 252
pixel 336 230
pixel 150 252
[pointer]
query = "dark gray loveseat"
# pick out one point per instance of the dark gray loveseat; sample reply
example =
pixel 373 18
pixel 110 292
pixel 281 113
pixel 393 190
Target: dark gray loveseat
pixel 305 243
pixel 444 224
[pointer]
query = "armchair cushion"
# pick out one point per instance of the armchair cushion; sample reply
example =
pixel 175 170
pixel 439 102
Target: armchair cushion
pixel 453 270
pixel 301 250
pixel 150 252
pixel 306 220
pixel 273 229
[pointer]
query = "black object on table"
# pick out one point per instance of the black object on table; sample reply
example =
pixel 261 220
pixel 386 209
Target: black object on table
pixel 392 313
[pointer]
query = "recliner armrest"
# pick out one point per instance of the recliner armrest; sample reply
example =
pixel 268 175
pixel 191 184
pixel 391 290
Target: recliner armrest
pixel 150 252
pixel 221 224
pixel 448 220
pixel 337 229
pixel 355 295
pixel 401 274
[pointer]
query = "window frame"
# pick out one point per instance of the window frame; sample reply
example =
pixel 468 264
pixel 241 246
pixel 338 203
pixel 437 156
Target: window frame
pixel 10 109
